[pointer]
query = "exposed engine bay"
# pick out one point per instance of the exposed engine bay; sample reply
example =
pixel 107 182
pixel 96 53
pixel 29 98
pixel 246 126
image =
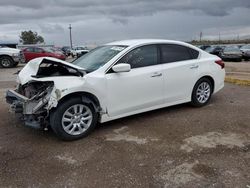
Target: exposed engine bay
pixel 34 90
pixel 31 101
pixel 49 68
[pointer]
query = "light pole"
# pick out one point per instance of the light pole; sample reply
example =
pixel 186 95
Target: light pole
pixel 201 36
pixel 70 36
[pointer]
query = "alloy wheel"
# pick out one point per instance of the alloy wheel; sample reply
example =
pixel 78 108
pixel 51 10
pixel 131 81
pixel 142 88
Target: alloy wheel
pixel 203 92
pixel 77 119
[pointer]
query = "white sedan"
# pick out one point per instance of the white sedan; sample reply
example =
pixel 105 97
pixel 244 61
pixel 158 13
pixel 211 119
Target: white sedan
pixel 113 81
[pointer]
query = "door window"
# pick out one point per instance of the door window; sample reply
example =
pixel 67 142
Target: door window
pixel 29 50
pixel 141 57
pixel 38 50
pixel 173 53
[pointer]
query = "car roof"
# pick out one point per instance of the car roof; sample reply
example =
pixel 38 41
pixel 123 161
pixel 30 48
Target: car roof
pixel 136 42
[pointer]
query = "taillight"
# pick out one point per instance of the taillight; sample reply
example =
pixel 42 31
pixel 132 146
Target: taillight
pixel 221 63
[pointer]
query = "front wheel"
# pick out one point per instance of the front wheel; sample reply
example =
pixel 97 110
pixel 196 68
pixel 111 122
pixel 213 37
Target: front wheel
pixel 73 119
pixel 202 92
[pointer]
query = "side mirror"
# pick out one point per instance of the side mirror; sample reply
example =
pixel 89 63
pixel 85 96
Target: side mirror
pixel 122 67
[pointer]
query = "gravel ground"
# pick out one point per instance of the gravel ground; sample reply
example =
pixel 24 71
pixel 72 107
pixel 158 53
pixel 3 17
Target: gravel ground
pixel 179 146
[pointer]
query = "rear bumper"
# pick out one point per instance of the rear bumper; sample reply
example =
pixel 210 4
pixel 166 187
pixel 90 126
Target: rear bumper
pixel 219 80
pixel 231 56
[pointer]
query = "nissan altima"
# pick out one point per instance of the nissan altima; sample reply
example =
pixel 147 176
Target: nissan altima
pixel 113 81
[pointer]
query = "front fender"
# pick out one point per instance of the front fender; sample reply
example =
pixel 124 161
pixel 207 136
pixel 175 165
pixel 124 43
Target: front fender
pixel 67 86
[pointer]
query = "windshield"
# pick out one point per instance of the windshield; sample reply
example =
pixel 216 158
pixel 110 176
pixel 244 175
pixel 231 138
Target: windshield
pixel 81 48
pixel 50 50
pixel 246 47
pixel 210 49
pixel 232 49
pixel 98 57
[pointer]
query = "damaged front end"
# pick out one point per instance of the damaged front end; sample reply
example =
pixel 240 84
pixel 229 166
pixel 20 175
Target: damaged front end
pixel 31 100
pixel 41 84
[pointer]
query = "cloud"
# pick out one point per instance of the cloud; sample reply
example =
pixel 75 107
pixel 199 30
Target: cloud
pixel 51 28
pixel 120 9
pixel 121 19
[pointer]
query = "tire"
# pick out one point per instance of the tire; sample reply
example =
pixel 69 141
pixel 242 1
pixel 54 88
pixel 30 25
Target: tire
pixel 205 88
pixel 15 64
pixel 62 126
pixel 6 62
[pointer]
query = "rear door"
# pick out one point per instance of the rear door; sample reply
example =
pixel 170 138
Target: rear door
pixel 180 71
pixel 139 89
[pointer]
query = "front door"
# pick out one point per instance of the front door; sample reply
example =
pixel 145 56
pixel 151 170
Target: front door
pixel 139 89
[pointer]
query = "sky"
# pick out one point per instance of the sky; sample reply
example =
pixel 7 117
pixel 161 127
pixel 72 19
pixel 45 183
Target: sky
pixel 102 21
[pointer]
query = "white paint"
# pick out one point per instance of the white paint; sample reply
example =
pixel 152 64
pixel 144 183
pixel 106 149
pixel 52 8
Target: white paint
pixel 213 139
pixel 67 159
pixel 139 90
pixel 125 136
pixel 122 134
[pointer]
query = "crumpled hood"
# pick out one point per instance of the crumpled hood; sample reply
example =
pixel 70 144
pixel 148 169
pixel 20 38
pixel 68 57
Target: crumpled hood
pixel 10 50
pixel 31 68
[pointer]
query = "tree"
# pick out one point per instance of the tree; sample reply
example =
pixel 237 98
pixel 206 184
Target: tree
pixel 30 37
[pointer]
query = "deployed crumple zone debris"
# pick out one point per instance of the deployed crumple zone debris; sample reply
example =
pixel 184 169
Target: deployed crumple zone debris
pixel 122 135
pixel 214 139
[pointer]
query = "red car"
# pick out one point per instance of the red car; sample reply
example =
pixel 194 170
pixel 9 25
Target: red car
pixel 35 52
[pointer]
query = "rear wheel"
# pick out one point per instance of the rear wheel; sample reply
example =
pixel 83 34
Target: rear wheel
pixel 202 92
pixel 6 62
pixel 73 119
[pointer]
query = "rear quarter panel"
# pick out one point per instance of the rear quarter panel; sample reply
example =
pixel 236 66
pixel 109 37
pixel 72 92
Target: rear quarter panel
pixel 208 67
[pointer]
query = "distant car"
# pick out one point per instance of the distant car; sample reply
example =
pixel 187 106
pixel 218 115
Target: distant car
pixel 204 47
pixel 73 52
pixel 35 52
pixel 57 49
pixel 231 53
pixel 10 57
pixel 245 52
pixel 215 50
pixel 66 50
pixel 79 51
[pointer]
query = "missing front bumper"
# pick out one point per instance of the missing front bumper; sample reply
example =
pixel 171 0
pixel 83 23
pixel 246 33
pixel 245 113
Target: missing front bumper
pixel 22 105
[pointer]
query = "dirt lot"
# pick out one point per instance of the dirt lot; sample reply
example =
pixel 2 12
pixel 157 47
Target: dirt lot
pixel 178 146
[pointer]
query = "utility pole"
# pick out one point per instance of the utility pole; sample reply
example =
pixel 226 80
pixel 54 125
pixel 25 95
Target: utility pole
pixel 200 36
pixel 219 37
pixel 70 36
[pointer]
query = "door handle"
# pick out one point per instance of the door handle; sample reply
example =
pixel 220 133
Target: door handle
pixel 156 74
pixel 194 66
